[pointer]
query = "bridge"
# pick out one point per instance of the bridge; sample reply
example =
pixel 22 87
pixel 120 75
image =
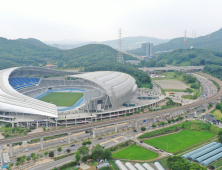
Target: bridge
pixel 114 121
pixel 175 68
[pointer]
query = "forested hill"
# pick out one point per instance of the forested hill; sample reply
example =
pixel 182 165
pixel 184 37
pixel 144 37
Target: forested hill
pixel 213 43
pixel 193 57
pixel 37 43
pixel 18 53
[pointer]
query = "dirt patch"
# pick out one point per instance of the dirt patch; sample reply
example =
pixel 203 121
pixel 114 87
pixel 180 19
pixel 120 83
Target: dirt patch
pixel 171 84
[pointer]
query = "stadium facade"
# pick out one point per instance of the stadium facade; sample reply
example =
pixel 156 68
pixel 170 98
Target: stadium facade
pixel 21 87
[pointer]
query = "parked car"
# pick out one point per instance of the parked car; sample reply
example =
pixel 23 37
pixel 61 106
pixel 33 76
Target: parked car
pixel 134 130
pixel 72 145
pixel 26 150
pixel 52 149
pixel 141 141
pixel 161 150
pixel 100 138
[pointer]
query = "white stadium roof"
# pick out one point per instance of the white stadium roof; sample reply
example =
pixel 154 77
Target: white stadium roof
pixel 13 101
pixel 117 85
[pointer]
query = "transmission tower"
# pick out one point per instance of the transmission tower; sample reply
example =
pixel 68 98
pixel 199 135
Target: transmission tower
pixel 185 40
pixel 120 58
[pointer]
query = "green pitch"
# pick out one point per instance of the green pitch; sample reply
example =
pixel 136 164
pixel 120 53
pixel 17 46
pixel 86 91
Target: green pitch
pixel 179 140
pixel 134 152
pixel 62 98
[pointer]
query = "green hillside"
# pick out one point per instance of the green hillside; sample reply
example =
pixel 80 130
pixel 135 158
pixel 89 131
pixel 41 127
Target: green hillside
pixel 192 57
pixel 134 40
pixel 37 43
pixel 32 52
pixel 213 43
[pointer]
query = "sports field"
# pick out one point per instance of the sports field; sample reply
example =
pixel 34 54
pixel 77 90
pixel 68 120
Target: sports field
pixel 62 98
pixel 134 152
pixel 179 140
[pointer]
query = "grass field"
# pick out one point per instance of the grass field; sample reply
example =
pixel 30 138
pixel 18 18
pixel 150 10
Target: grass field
pixel 62 98
pixel 135 152
pixel 179 140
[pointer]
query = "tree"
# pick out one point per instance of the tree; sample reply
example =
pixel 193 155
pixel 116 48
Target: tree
pixel 153 125
pixel 68 150
pixel 34 158
pixel 22 160
pixel 59 149
pixel 220 138
pixel 17 164
pixel 51 154
pixel 83 150
pixel 97 149
pixel 46 153
pixel 107 154
pixel 20 143
pixel 77 156
pixel 169 121
pixel 28 159
pixel 41 156
pixel 143 128
pixel 32 155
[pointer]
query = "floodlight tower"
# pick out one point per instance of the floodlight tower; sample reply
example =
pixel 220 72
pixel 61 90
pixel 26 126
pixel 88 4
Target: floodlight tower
pixel 120 58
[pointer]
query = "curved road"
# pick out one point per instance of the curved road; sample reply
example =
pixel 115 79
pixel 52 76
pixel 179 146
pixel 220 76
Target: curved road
pixel 113 121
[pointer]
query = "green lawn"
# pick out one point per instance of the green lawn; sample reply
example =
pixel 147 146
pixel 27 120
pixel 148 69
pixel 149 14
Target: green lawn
pixel 62 98
pixel 179 140
pixel 135 152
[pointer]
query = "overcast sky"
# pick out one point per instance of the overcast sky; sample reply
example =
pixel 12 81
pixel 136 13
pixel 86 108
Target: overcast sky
pixel 99 20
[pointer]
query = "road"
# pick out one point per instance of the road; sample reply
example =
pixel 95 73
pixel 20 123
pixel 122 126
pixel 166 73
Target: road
pixel 173 68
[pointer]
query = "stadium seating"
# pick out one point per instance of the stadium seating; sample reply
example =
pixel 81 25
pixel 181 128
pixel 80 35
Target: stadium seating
pixel 21 82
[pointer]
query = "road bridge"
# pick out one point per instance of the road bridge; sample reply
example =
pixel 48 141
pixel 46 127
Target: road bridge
pixel 175 68
pixel 114 121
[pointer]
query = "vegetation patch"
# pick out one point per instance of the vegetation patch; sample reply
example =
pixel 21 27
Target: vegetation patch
pixel 181 140
pixel 62 98
pixel 134 152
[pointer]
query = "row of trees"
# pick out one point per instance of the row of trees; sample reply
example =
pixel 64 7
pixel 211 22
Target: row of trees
pixel 177 162
pixel 98 152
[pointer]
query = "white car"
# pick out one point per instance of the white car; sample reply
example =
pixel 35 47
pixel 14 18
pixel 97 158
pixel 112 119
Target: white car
pixel 26 150
pixel 170 154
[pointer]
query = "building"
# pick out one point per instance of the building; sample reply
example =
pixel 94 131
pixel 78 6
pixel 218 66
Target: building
pixel 147 49
pixel 21 88
pixel 51 66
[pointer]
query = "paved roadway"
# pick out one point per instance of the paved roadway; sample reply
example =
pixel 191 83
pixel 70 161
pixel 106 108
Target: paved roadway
pixel 172 68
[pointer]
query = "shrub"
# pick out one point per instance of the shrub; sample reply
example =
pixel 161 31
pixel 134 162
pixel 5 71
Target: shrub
pixel 143 128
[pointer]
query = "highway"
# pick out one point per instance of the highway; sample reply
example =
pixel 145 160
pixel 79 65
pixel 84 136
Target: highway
pixel 114 120
pixel 172 68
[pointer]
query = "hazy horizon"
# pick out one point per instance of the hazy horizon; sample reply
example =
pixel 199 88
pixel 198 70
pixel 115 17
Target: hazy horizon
pixel 99 20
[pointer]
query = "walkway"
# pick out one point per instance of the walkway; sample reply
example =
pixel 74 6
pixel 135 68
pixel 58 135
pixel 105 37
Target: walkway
pixel 51 165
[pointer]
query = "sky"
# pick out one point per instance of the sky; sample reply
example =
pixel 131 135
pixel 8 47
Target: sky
pixel 100 20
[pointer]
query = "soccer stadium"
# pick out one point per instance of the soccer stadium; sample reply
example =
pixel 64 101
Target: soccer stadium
pixel 45 97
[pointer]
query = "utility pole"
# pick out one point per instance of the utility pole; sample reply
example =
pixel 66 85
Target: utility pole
pixel 120 58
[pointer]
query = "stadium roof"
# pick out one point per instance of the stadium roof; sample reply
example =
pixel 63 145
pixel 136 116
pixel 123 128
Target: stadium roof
pixel 13 101
pixel 115 84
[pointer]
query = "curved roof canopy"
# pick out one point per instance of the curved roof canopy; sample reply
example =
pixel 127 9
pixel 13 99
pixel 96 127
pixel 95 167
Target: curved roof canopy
pixel 13 101
pixel 117 85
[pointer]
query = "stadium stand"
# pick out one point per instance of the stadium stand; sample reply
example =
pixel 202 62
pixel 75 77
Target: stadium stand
pixel 21 82
pixel 198 150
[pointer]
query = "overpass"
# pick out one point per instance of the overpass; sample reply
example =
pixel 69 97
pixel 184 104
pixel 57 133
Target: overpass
pixel 175 68
pixel 114 121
